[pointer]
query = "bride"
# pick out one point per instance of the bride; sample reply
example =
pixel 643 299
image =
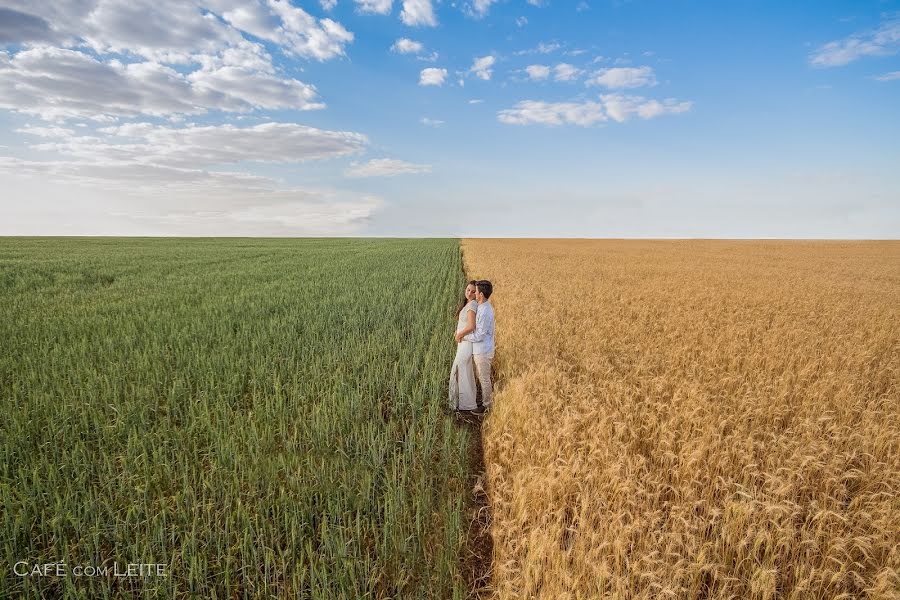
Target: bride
pixel 462 374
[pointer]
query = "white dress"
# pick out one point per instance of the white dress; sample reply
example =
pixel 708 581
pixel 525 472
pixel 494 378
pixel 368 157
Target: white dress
pixel 462 375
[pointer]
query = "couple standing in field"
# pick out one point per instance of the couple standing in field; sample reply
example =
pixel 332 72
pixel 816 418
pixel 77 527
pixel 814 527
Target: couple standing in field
pixel 475 346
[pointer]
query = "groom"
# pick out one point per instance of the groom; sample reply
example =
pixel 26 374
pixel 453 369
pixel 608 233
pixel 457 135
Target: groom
pixel 483 340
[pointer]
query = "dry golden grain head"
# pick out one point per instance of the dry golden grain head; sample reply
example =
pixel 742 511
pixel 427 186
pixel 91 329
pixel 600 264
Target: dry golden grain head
pixel 694 419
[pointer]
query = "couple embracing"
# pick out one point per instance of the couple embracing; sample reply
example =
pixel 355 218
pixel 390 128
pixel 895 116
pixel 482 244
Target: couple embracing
pixel 475 347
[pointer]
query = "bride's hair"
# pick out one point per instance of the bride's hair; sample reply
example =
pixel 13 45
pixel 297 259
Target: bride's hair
pixel 464 301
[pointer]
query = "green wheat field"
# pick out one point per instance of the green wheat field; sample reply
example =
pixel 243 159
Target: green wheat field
pixel 265 417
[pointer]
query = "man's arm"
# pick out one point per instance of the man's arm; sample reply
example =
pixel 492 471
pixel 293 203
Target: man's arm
pixel 470 326
pixel 480 328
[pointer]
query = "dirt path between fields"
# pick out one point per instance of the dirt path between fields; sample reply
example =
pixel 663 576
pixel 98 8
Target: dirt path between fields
pixel 479 545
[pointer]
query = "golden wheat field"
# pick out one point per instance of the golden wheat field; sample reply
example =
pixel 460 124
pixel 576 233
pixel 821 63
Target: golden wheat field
pixel 694 419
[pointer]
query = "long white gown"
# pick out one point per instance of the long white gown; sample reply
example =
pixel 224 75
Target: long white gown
pixel 462 374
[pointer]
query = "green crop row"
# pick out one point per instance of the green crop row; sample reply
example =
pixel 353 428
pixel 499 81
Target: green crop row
pixel 263 417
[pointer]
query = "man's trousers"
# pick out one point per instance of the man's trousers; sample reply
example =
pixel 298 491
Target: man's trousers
pixel 483 373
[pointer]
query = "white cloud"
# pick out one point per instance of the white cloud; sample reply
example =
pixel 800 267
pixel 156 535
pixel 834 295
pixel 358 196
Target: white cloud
pixel 307 36
pixel 243 89
pixel 610 106
pixel 245 54
pixel 407 46
pixel 46 132
pixel 432 76
pixel 538 72
pixel 620 108
pixel 173 31
pixel 566 72
pixel 58 83
pixel 881 41
pixel 418 12
pixel 18 26
pixel 385 167
pixel 431 122
pixel 480 8
pixel 892 76
pixel 482 67
pixel 521 21
pixel 623 77
pixel 157 30
pixel 108 60
pixel 378 7
pixel 65 197
pixel 553 113
pixel 543 48
pixel 159 178
pixel 116 58
pixel 476 101
pixel 124 177
pixel 323 215
pixel 197 147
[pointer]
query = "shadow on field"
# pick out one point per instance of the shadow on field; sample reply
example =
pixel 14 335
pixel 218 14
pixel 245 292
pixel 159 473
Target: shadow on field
pixel 476 565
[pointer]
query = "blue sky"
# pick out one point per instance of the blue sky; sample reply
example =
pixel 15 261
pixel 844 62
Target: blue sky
pixel 469 118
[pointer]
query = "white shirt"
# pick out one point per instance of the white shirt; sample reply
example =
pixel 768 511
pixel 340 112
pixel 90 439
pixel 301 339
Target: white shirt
pixel 483 337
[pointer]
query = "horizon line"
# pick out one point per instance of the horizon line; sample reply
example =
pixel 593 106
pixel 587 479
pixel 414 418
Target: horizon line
pixel 470 237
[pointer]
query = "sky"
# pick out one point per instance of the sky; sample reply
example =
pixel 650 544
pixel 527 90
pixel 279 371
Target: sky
pixel 466 118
